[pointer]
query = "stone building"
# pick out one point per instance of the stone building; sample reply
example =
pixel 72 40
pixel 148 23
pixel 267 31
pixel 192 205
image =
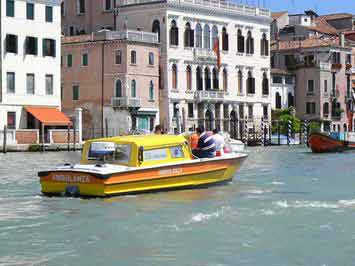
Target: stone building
pixel 323 69
pixel 195 36
pixel 86 16
pixel 30 69
pixel 114 77
pixel 283 84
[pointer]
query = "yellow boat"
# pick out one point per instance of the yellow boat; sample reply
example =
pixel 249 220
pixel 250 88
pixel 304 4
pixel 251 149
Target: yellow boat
pixel 136 164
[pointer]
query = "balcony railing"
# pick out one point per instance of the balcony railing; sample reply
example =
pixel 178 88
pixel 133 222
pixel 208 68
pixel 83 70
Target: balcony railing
pixel 239 9
pixel 213 96
pixel 201 54
pixel 125 102
pixel 130 35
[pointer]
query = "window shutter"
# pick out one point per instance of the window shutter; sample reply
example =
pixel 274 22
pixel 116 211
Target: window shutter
pixel 35 46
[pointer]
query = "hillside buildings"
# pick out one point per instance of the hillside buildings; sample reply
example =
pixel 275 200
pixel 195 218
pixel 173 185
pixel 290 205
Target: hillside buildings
pixel 214 61
pixel 30 67
pixel 114 77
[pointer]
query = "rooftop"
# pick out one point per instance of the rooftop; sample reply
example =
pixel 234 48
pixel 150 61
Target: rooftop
pixel 129 35
pixel 221 5
pixel 276 15
pixel 337 16
pixel 307 43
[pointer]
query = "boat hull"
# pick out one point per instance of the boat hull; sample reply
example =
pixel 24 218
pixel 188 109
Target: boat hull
pixel 181 176
pixel 321 143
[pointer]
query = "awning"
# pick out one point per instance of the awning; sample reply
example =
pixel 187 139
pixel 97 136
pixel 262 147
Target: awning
pixel 49 116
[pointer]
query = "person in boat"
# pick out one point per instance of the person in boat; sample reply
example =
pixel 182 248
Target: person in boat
pixel 219 141
pixel 158 130
pixel 194 140
pixel 206 146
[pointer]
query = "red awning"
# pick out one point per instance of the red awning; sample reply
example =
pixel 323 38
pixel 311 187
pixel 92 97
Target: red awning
pixel 50 116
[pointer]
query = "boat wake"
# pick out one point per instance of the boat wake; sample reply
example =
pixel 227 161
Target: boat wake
pixel 340 204
pixel 204 217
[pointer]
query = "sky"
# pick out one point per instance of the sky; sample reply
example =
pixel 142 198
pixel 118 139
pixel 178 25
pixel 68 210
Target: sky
pixel 298 6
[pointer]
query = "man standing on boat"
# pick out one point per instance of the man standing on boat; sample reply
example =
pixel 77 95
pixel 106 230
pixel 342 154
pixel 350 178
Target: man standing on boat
pixel 206 146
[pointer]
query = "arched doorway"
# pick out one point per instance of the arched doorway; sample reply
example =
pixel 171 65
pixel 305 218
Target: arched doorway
pixel 233 125
pixel 209 120
pixel 156 28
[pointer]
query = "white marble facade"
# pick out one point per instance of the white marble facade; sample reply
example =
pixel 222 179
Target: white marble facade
pixel 213 102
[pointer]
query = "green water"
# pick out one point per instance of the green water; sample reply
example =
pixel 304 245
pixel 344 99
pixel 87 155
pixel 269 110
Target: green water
pixel 286 206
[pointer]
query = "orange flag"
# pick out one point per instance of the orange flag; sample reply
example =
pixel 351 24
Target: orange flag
pixel 217 52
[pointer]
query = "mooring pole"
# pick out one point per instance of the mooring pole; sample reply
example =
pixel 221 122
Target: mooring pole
pixel 42 126
pixel 278 133
pixel 4 148
pixel 74 135
pixel 68 137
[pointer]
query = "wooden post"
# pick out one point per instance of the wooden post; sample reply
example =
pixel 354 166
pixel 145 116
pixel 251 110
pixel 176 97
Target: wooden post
pixel 4 148
pixel 42 126
pixel 74 135
pixel 278 133
pixel 68 137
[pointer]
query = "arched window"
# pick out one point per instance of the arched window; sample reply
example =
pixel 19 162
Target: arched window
pixel 250 83
pixel 156 28
pixel 224 39
pixel 240 82
pixel 265 85
pixel 250 44
pixel 278 100
pixel 133 89
pixel 118 88
pixel 174 33
pixel 198 31
pixel 214 35
pixel 174 77
pixel 225 80
pixel 326 109
pixel 215 79
pixel 188 78
pixel 199 80
pixel 207 79
pixel 188 36
pixel 290 99
pixel 206 37
pixel 151 90
pixel 264 44
pixel 240 41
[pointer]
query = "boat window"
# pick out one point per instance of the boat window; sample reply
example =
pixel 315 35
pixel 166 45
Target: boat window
pixel 177 152
pixel 155 155
pixel 109 152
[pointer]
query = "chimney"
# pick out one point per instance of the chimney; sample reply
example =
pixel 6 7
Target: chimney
pixel 342 39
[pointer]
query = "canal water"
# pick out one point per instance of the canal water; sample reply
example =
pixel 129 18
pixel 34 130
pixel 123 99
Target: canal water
pixel 286 207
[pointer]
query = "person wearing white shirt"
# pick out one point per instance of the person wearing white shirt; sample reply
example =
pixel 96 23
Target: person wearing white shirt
pixel 220 142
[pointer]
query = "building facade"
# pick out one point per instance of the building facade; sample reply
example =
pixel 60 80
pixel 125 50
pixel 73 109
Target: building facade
pixel 214 61
pixel 86 16
pixel 114 77
pixel 282 89
pixel 323 69
pixel 30 62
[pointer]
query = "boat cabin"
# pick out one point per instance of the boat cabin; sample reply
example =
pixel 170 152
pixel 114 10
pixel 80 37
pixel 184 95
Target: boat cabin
pixel 136 151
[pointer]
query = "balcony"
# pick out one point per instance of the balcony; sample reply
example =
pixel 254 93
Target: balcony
pixel 324 66
pixel 125 102
pixel 210 96
pixel 234 8
pixel 129 35
pixel 201 54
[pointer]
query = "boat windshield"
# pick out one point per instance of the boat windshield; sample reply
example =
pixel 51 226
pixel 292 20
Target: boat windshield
pixel 109 152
